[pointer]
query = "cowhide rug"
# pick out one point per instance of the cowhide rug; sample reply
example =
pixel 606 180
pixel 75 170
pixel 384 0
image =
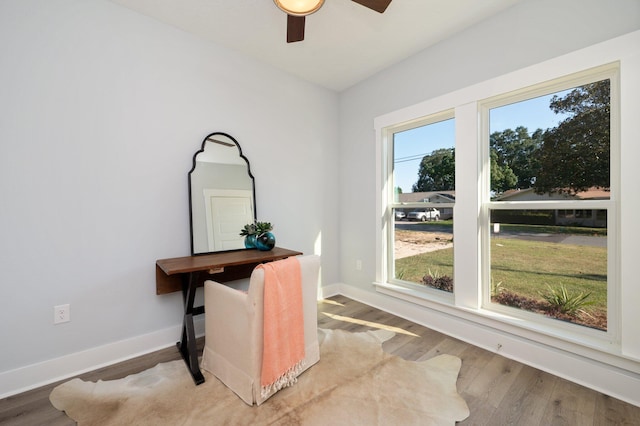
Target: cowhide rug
pixel 355 383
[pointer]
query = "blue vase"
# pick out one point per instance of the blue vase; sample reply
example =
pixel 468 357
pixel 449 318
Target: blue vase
pixel 265 241
pixel 250 241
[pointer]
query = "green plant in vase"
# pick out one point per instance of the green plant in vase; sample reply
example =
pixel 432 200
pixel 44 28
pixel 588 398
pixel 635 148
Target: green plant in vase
pixel 265 240
pixel 249 234
pixel 258 235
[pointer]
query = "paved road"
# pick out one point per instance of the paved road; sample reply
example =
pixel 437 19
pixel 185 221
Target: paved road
pixel 580 240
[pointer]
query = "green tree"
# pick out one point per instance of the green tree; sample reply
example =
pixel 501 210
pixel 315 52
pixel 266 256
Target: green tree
pixel 437 171
pixel 575 154
pixel 518 151
pixel 502 177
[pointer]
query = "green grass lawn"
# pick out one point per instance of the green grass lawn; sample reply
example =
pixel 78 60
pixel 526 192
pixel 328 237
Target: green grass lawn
pixel 526 268
pixel 415 267
pixel 529 268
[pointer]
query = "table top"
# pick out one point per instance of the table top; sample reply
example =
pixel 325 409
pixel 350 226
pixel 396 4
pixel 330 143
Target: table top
pixel 213 261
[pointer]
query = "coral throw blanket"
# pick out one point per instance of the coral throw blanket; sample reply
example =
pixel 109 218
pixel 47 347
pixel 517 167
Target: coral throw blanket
pixel 283 348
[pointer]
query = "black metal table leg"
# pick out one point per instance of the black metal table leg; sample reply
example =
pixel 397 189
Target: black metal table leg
pixel 187 343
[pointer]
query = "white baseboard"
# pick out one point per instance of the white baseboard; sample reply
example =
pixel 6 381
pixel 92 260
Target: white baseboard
pixel 329 290
pixel 33 376
pixel 601 377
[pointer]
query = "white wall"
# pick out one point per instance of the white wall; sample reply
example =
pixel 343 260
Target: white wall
pixel 529 33
pixel 101 110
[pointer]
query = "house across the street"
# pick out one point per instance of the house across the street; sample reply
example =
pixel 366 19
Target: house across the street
pixel 430 197
pixel 583 217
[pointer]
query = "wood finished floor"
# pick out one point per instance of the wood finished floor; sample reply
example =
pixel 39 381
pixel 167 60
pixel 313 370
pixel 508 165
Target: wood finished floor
pixel 498 391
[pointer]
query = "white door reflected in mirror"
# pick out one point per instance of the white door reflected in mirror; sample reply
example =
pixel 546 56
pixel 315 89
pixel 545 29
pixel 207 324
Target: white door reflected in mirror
pixel 227 211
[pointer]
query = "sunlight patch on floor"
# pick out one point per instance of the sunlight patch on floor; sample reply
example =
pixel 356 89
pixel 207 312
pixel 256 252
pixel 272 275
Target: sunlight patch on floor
pixel 369 324
pixel 330 302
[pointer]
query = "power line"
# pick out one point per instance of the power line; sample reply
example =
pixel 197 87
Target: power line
pixel 409 158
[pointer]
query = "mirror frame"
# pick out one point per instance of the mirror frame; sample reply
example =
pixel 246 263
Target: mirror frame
pixel 193 167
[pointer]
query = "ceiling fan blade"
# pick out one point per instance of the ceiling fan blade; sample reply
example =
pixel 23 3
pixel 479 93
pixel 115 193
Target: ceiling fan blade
pixel 295 28
pixel 377 5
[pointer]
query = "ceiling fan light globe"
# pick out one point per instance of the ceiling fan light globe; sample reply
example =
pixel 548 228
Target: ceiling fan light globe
pixel 299 7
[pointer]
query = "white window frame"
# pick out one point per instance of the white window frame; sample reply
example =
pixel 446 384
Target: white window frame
pixel 467 303
pixel 391 204
pixel 610 72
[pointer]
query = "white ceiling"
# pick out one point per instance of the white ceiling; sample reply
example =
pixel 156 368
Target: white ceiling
pixel 344 41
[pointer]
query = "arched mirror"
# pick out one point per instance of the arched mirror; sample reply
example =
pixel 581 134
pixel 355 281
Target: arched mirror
pixel 221 195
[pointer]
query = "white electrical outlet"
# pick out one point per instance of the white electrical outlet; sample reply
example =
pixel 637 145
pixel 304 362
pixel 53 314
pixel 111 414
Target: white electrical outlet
pixel 61 313
pixel 359 265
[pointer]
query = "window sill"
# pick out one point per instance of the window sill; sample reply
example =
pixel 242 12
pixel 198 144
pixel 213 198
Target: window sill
pixel 590 343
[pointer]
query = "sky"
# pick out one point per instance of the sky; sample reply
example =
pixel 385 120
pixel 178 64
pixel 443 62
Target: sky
pixel 411 145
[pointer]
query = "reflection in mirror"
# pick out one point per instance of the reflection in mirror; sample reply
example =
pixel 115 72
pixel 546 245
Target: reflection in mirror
pixel 221 195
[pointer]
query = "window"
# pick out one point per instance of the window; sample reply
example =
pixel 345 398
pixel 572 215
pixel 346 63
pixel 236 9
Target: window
pixel 421 165
pixel 536 200
pixel 485 219
pixel 549 189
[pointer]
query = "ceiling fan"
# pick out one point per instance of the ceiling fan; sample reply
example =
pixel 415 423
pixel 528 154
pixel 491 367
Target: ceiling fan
pixel 297 10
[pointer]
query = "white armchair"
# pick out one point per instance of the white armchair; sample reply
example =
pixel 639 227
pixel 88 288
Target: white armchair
pixel 234 332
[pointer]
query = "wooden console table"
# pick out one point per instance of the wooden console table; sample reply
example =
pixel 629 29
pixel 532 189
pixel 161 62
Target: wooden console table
pixel 188 273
